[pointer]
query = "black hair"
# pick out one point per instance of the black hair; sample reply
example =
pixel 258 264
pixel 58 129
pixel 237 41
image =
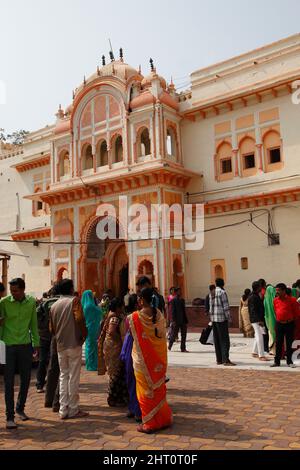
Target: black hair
pixel 143 281
pixel 115 304
pixel 246 294
pixel 256 286
pixel 289 291
pixel 2 288
pixel 262 283
pixel 66 287
pixel 18 282
pixel 282 286
pixel 132 303
pixel 220 283
pixel 147 295
pixel 297 283
pixel 55 290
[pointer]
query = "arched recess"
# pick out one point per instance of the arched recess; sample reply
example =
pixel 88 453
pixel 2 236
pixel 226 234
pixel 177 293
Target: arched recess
pixel 64 164
pixel 172 142
pixel 224 162
pixel 273 154
pixel 97 264
pixel 146 268
pixel 143 143
pixel 248 159
pixel 37 206
pixel 87 157
pixel 102 154
pixel 117 149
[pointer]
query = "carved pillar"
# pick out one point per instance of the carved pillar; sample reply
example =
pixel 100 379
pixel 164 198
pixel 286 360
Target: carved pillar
pixel 260 157
pixel 236 162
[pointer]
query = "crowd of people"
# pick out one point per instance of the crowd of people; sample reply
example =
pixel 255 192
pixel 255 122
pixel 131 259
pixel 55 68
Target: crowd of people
pixel 270 315
pixel 128 340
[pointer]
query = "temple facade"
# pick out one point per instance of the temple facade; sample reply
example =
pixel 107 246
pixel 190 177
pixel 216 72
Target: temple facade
pixel 230 142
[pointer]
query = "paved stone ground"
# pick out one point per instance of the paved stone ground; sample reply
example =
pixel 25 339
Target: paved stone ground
pixel 248 407
pixel 213 409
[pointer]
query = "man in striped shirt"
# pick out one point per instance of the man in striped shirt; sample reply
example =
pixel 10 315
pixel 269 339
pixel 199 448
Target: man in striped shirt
pixel 220 318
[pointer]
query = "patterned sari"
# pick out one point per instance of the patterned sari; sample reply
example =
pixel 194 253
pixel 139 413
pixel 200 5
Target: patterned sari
pixel 270 316
pixel 109 350
pixel 149 356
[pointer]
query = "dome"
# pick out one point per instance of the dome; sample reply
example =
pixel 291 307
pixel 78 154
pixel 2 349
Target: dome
pixel 121 70
pixel 147 81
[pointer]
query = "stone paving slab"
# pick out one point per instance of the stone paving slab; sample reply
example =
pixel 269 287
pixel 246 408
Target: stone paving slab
pixel 213 409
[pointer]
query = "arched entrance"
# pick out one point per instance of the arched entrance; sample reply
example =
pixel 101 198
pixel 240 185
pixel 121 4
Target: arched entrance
pixel 104 264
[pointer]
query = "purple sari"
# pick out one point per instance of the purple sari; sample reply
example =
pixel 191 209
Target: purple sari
pixel 126 357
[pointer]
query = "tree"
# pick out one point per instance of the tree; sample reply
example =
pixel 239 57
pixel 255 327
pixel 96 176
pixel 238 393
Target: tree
pixel 16 138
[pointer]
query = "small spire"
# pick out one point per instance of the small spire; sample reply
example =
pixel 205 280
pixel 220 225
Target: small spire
pixel 111 55
pixel 73 95
pixel 140 69
pixel 103 60
pixel 121 55
pixel 84 80
pixel 152 65
pixel 98 70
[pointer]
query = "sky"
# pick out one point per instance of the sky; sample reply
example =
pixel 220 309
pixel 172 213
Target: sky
pixel 48 46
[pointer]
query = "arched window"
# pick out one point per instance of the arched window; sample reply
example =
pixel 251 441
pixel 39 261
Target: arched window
pixel 224 162
pixel 273 151
pixel 118 149
pixel 37 206
pixel 102 154
pixel 64 164
pixel 171 142
pixel 88 162
pixel 144 143
pixel 219 273
pixel 248 156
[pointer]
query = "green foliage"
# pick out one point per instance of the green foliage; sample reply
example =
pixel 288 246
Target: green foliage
pixel 16 138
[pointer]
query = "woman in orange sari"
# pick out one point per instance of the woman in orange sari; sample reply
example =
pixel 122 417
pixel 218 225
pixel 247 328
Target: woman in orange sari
pixel 150 357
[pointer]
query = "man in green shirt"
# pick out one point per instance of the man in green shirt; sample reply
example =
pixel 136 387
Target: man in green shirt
pixel 19 332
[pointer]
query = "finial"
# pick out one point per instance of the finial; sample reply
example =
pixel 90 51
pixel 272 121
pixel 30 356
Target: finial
pixel 103 60
pixel 140 69
pixel 98 70
pixel 121 55
pixel 84 80
pixel 152 65
pixel 73 95
pixel 111 55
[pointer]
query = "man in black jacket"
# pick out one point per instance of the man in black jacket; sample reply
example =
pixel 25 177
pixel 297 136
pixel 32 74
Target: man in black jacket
pixel 257 317
pixel 179 321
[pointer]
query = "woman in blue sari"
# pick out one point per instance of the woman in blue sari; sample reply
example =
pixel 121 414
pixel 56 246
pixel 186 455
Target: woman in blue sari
pixel 93 316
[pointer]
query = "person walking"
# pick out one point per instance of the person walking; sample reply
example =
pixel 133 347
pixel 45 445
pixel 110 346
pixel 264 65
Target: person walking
pixel 287 311
pixel 68 326
pixel 220 318
pixel 257 316
pixel 19 332
pixel 179 321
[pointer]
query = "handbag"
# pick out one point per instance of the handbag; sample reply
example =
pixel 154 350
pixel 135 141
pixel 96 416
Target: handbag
pixel 205 335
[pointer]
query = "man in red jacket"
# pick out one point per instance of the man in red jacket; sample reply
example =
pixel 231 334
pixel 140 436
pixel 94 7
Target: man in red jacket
pixel 287 310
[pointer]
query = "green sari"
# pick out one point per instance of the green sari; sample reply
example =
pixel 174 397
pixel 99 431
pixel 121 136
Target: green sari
pixel 270 314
